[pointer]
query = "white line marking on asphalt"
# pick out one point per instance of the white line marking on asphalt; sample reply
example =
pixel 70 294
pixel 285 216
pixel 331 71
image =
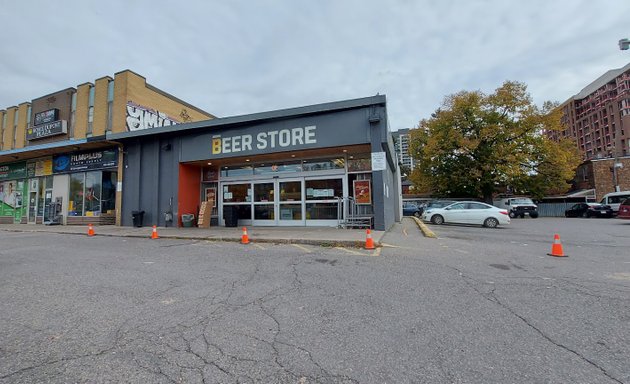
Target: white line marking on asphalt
pixel 149 262
pixel 405 232
pixel 377 252
pixel 258 246
pixel 350 251
pixel 460 250
pixel 391 246
pixel 302 248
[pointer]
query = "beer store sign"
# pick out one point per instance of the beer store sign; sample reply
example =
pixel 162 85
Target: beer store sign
pixel 58 127
pixel 265 141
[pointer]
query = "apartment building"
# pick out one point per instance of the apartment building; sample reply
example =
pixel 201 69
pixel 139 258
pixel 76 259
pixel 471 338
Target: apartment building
pixel 56 164
pixel 598 117
pixel 401 141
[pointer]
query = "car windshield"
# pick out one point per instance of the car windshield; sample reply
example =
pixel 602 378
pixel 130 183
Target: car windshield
pixel 521 201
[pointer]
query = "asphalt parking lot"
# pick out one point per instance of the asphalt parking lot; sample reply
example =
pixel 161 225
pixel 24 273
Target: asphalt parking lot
pixel 475 305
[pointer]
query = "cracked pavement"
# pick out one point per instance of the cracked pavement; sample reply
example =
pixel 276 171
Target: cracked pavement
pixel 473 306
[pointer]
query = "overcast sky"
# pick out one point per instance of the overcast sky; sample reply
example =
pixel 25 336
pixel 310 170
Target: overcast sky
pixel 237 57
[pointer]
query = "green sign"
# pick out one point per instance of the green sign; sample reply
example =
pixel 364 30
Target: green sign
pixel 13 171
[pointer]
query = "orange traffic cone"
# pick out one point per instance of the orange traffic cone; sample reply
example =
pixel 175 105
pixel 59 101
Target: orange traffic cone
pixel 244 238
pixel 90 230
pixel 369 243
pixel 556 248
pixel 154 234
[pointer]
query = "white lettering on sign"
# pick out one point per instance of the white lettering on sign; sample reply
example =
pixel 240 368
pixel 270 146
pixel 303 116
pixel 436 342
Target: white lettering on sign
pixel 139 117
pixel 283 138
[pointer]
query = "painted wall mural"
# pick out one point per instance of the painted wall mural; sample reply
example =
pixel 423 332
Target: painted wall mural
pixel 140 117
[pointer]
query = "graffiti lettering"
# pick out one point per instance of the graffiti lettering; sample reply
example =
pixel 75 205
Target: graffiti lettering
pixel 143 118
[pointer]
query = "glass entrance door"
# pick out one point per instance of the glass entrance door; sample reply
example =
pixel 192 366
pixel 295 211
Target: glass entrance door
pixel 32 200
pixel 290 202
pixel 265 203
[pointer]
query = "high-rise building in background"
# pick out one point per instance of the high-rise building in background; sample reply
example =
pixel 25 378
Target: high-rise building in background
pixel 598 117
pixel 401 141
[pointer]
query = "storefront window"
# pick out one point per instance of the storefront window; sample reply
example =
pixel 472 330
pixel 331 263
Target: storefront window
pixel 263 192
pixel 92 193
pixel 264 169
pixel 323 189
pixel 108 198
pixel 75 202
pixel 237 193
pixel 246 170
pixel 321 165
pixel 321 211
pixel 359 163
pixel 290 191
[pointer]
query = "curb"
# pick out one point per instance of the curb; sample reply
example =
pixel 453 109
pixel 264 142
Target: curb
pixel 315 242
pixel 424 229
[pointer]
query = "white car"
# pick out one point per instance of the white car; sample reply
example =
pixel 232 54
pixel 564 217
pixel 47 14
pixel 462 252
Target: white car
pixel 468 212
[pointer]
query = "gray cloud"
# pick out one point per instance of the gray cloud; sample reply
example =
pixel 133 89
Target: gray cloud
pixel 242 57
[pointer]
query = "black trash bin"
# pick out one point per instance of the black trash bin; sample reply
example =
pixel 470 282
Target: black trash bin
pixel 230 215
pixel 138 217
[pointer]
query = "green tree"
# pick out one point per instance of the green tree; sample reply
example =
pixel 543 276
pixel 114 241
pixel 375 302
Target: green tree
pixel 476 143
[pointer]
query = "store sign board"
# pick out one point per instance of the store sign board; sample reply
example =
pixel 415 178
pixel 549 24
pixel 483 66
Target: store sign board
pixel 58 127
pixel 13 171
pixel 46 117
pixel 291 135
pixel 39 167
pixel 85 161
pixel 283 138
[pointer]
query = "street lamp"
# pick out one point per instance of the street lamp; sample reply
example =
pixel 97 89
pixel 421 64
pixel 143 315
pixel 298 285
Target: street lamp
pixel 624 44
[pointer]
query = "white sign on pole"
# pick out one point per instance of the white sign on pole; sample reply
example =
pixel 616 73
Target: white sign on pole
pixel 379 162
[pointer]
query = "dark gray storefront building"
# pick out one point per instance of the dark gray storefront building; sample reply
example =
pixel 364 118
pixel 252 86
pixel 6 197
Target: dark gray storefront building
pixel 329 164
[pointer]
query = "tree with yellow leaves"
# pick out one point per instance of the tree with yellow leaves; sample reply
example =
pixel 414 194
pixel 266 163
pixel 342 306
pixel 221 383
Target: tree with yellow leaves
pixel 475 144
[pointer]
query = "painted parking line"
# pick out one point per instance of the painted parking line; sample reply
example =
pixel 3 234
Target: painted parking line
pixel 302 248
pixel 353 252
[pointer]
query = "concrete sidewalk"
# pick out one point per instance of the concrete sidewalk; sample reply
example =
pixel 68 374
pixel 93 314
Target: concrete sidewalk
pixel 322 236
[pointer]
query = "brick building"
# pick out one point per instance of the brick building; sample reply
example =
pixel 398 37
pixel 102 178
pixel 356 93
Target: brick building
pixel 603 175
pixel 56 165
pixel 598 117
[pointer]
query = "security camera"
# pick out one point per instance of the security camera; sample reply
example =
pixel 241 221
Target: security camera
pixel 624 44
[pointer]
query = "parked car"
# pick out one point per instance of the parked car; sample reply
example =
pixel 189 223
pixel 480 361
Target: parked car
pixel 438 204
pixel 517 206
pixel 468 212
pixel 614 199
pixel 589 210
pixel 624 210
pixel 411 209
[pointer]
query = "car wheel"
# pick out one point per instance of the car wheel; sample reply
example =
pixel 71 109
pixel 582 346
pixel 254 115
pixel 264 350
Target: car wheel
pixel 512 214
pixel 585 215
pixel 437 219
pixel 491 222
pixel 533 215
pixel 522 216
pixel 416 214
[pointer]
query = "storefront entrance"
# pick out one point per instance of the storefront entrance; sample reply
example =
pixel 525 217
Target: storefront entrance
pixel 302 201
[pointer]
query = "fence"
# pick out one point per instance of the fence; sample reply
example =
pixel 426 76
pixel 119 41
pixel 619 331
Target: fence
pixel 553 209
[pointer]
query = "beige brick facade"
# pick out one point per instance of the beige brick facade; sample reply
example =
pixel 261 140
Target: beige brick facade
pixel 129 88
pixel 9 128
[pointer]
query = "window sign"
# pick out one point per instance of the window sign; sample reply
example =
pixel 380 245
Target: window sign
pixel 379 163
pixel 362 193
pixel 13 171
